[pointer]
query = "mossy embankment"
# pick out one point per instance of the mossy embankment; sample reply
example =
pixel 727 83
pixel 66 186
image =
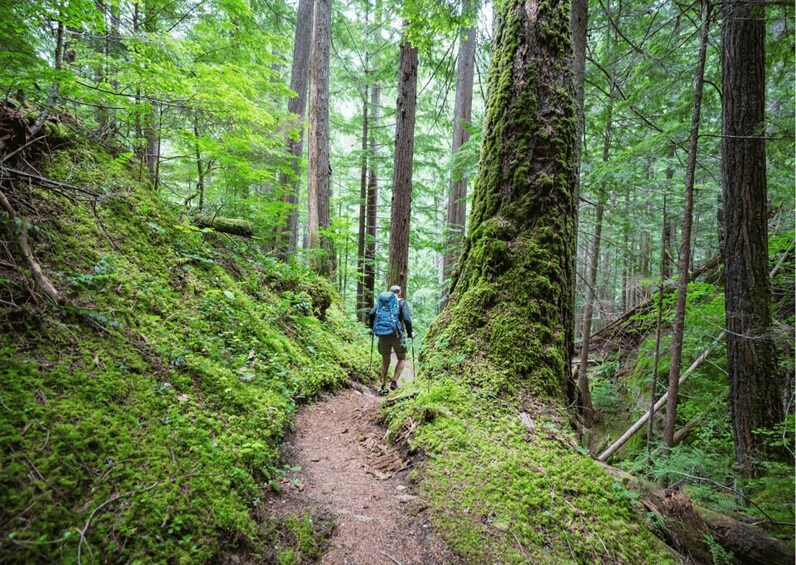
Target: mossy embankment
pixel 141 420
pixel 511 486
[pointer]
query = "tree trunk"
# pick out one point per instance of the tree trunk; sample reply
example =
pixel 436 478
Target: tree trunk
pixel 658 326
pixel 398 271
pixel 362 300
pixel 755 383
pixel 462 112
pixel 200 170
pixel 514 283
pixel 320 171
pixel 299 82
pixel 585 404
pixel 685 245
pixel 58 63
pixel 152 120
pixel 584 392
pixel 372 198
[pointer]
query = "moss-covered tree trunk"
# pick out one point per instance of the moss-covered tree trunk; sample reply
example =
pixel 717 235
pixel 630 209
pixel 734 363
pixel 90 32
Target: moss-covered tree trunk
pixel 511 295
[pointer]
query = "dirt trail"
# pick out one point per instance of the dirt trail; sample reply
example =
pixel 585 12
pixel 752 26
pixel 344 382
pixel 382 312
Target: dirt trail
pixel 348 471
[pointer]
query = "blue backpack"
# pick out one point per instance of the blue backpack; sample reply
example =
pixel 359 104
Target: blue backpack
pixel 387 322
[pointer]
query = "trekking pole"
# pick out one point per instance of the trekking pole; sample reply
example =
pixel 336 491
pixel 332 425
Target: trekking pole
pixel 370 366
pixel 414 371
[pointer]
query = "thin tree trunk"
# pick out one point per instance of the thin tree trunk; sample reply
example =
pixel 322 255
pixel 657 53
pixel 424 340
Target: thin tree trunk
pixel 579 19
pixel 152 122
pixel 398 270
pixel 755 381
pixel 584 391
pixel 462 112
pixel 685 244
pixel 200 171
pixel 59 58
pixel 362 301
pixel 658 325
pixel 320 171
pixel 299 82
pixel 372 198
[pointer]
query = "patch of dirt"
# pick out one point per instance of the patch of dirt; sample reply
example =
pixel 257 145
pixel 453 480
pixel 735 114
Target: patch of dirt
pixel 348 471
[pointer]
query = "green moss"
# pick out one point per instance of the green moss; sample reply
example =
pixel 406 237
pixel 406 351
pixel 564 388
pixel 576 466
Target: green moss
pixel 157 399
pixel 502 493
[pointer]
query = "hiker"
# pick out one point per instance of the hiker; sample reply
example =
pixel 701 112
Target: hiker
pixel 391 321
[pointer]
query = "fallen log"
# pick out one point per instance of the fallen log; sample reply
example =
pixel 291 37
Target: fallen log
pixel 689 527
pixel 232 226
pixel 661 401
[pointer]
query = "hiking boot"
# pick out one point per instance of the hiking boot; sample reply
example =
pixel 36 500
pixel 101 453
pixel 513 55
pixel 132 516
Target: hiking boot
pixel 393 385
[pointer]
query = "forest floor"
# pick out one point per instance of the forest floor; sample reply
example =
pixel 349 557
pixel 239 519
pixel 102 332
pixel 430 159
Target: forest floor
pixel 349 474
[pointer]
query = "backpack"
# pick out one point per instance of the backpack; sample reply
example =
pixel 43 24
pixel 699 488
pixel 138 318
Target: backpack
pixel 387 320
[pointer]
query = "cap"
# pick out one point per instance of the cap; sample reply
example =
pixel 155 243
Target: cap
pixel 395 288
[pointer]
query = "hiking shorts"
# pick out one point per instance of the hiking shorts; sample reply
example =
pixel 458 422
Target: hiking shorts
pixel 388 343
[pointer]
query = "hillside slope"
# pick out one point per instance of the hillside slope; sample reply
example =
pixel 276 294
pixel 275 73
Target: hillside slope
pixel 142 416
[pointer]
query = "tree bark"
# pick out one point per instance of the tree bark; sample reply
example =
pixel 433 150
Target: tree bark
pixel 513 284
pixel 462 112
pixel 685 245
pixel 320 168
pixel 398 270
pixel 755 383
pixel 658 326
pixel 372 197
pixel 200 170
pixel 151 124
pixel 299 82
pixel 362 300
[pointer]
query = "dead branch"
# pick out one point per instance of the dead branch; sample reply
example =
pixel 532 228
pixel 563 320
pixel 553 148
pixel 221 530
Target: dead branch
pixel 112 499
pixel 21 229
pixel 9 171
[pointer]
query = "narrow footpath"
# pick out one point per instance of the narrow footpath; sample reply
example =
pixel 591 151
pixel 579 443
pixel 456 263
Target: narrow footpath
pixel 348 472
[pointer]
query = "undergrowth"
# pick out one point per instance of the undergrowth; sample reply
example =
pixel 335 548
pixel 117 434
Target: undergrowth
pixel 141 420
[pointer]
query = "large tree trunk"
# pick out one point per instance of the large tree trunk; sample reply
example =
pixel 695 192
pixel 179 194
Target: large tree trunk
pixel 320 168
pixel 462 112
pixel 511 298
pixel 685 245
pixel 299 81
pixel 755 384
pixel 398 270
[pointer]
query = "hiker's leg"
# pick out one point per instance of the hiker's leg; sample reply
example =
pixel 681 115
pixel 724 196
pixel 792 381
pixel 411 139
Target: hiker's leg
pixel 400 353
pixel 385 366
pixel 384 351
pixel 398 369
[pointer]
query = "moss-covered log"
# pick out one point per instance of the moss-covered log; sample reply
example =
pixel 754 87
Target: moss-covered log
pixel 232 226
pixel 691 528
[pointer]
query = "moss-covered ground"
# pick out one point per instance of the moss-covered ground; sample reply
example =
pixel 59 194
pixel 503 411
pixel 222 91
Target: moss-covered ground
pixel 512 487
pixel 141 420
